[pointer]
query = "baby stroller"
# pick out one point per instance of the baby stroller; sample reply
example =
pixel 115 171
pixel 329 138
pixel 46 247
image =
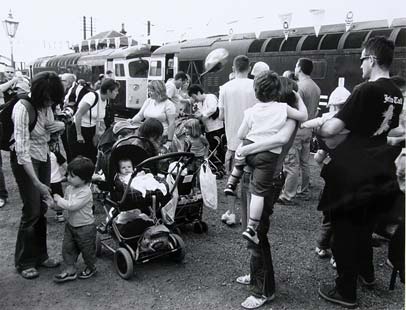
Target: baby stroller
pixel 134 220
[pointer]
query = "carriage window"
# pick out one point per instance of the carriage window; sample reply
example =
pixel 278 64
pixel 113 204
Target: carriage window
pixel 255 46
pixel 311 43
pixel 273 45
pixel 355 39
pixel 119 70
pixel 138 69
pixel 290 44
pixel 330 41
pixel 401 39
pixel 155 68
pixel 319 69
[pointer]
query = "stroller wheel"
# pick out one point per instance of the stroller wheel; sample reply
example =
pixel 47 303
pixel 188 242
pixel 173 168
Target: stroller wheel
pixel 205 227
pixel 124 263
pixel 198 227
pixel 98 245
pixel 179 255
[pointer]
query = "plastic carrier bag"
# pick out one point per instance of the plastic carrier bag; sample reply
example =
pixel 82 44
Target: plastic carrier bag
pixel 168 211
pixel 208 186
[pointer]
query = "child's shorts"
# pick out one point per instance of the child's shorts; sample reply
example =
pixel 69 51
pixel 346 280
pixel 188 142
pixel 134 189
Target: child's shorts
pixel 263 165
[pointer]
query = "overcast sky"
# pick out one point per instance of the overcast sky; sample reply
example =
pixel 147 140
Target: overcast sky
pixel 47 27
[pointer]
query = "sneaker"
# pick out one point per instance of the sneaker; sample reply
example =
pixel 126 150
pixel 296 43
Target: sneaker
pixel 251 235
pixel 284 201
pixel 333 262
pixel 245 280
pixel 87 273
pixel 231 220
pixel 321 253
pixel 225 216
pixel 60 218
pixel 230 189
pixel 367 281
pixel 3 202
pixel 330 293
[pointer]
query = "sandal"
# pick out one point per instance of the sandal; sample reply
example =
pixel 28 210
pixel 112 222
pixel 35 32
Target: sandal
pixel 245 280
pixel 50 263
pixel 64 277
pixel 253 302
pixel 87 273
pixel 30 273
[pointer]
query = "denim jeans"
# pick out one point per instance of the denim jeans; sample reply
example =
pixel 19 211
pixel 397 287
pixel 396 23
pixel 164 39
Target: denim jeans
pixel 3 190
pixel 296 163
pixel 31 246
pixel 79 240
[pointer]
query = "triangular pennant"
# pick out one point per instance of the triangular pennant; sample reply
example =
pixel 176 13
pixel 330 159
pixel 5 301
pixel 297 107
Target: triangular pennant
pixel 129 41
pixel 117 42
pixel 96 42
pixel 286 20
pixel 318 16
pixel 230 34
pixel 80 46
pixel 88 44
pixel 349 19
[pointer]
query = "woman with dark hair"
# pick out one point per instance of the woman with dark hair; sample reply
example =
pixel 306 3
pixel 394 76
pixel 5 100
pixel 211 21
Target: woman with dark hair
pixel 30 164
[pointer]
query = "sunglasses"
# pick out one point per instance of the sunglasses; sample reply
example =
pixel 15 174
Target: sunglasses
pixel 367 56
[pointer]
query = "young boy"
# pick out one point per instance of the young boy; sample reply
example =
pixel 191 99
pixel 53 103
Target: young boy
pixel 80 229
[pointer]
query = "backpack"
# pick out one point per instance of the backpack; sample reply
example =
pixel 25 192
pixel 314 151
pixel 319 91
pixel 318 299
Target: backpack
pixel 6 123
pixel 74 99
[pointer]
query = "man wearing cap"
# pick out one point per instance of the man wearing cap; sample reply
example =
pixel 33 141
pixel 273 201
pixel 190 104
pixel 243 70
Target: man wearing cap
pixel 297 160
pixel 235 97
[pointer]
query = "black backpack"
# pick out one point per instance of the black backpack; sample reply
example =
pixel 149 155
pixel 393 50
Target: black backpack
pixel 74 100
pixel 6 123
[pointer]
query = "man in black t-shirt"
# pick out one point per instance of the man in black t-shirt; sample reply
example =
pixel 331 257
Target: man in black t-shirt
pixel 360 179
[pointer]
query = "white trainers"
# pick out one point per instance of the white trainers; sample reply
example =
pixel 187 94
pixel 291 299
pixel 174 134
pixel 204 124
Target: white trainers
pixel 321 252
pixel 225 216
pixel 245 280
pixel 231 220
pixel 251 235
pixel 333 262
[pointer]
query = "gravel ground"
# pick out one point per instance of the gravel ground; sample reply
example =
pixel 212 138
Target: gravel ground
pixel 204 280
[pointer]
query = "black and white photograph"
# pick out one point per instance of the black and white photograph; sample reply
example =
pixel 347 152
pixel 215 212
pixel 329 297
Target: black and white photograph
pixel 171 155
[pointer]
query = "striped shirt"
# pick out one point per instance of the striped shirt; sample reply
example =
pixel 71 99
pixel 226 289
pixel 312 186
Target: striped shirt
pixel 32 144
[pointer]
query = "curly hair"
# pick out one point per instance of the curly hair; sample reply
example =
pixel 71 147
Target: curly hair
pixel 287 94
pixel 267 86
pixel 159 88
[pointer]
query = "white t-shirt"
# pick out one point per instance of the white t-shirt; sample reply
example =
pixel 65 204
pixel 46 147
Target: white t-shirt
pixel 89 99
pixel 207 108
pixel 158 110
pixel 264 120
pixel 171 91
pixel 235 97
pixel 57 172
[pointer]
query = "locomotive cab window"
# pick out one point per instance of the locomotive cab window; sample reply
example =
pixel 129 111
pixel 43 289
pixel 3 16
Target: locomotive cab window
pixel 273 45
pixel 155 68
pixel 355 39
pixel 138 68
pixel 119 70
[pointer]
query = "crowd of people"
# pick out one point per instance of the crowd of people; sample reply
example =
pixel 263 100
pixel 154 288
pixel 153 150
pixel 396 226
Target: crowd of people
pixel 268 122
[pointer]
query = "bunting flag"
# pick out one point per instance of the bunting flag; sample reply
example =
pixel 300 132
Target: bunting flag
pixel 129 41
pixel 96 43
pixel 286 20
pixel 108 43
pixel 80 46
pixel 117 42
pixel 318 16
pixel 230 34
pixel 88 43
pixel 390 20
pixel 349 19
pixel 259 25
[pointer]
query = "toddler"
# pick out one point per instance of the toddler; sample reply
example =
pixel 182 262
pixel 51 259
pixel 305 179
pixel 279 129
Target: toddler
pixel 262 120
pixel 195 143
pixel 80 229
pixel 336 101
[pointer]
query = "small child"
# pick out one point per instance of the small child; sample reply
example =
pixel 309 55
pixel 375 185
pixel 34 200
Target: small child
pixel 80 229
pixel 195 143
pixel 336 101
pixel 262 120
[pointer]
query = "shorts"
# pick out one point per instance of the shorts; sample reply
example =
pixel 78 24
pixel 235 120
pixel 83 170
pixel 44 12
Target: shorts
pixel 264 164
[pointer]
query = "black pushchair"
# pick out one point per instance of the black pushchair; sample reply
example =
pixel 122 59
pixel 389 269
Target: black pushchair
pixel 134 218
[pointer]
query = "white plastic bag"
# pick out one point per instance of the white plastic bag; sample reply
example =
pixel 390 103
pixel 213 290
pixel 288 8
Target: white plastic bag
pixel 208 186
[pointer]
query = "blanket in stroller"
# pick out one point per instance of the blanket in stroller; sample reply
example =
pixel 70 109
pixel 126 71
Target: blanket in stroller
pixel 141 190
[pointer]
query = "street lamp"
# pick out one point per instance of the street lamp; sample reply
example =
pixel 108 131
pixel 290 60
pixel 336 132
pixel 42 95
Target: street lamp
pixel 10 26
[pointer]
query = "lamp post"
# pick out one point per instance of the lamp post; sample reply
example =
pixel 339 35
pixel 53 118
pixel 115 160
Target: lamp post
pixel 10 26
